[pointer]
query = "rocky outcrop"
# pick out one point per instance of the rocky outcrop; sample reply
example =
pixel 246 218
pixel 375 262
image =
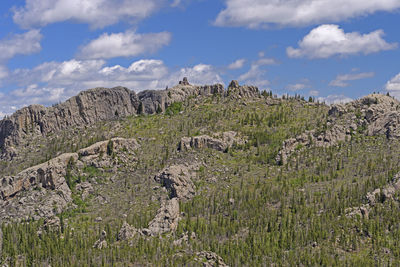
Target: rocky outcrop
pixel 127 232
pixel 101 104
pixel 42 191
pixel 158 100
pixel 372 115
pixel 167 218
pixel 101 242
pixel 245 91
pixel 219 142
pixel 379 195
pixel 177 180
pixel 210 259
pixel 85 109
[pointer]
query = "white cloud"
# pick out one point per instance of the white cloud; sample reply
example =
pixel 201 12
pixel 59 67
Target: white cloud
pixel 20 44
pixel 97 13
pixel 52 82
pixel 313 93
pixel 393 86
pixel 329 40
pixel 262 13
pixel 199 74
pixel 341 80
pixel 125 44
pixel 3 72
pixel 255 74
pixel 335 99
pixel 175 3
pixel 297 86
pixel 238 64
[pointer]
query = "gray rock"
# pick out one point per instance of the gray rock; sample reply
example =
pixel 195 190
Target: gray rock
pixel 167 218
pixel 177 180
pixel 101 242
pixel 210 259
pixel 373 115
pixel 219 142
pixel 237 91
pixel 85 109
pixel 127 232
pixel 41 191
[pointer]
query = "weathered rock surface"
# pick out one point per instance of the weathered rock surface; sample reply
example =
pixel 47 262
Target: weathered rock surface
pixel 167 218
pixel 371 115
pixel 101 104
pixel 152 100
pixel 85 109
pixel 245 91
pixel 42 191
pixel 377 196
pixel 177 180
pixel 85 188
pixel 101 242
pixel 127 232
pixel 220 141
pixel 210 259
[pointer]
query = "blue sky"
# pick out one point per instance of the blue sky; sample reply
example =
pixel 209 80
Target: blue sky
pixel 333 50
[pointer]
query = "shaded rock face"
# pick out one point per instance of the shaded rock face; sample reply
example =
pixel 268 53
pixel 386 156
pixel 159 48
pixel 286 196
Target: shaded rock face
pixel 42 191
pixel 220 141
pixel 153 100
pixel 89 107
pixel 177 180
pixel 167 218
pixel 372 115
pixel 245 91
pixel 210 259
pixel 127 232
pixel 85 109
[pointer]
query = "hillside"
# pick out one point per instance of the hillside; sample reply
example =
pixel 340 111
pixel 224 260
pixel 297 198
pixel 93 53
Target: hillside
pixel 201 176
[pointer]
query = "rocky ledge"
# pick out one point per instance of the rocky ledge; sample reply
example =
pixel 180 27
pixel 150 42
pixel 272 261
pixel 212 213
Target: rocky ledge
pixel 371 115
pixel 101 104
pixel 219 141
pixel 43 191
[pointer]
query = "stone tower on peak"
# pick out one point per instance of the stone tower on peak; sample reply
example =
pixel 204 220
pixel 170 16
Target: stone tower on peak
pixel 184 81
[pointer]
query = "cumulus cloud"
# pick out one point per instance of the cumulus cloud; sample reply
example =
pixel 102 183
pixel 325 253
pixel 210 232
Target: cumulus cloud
pixel 52 82
pixel 313 93
pixel 261 13
pixel 297 86
pixel 96 13
pixel 3 72
pixel 329 40
pixel 255 75
pixel 20 44
pixel 125 44
pixel 393 86
pixel 342 80
pixel 238 64
pixel 335 99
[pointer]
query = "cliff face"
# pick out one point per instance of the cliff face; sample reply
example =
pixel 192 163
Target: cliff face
pixel 98 104
pixel 86 108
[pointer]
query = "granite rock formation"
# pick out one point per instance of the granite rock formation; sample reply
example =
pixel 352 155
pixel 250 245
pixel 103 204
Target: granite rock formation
pixel 372 115
pixel 42 191
pixel 101 104
pixel 219 142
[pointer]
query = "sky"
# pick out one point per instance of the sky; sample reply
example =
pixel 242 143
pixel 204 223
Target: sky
pixel 335 51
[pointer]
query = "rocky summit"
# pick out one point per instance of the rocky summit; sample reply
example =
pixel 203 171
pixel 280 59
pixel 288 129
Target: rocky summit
pixel 201 175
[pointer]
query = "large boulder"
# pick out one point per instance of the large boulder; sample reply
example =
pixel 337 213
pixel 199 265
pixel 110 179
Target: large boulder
pixel 219 142
pixel 177 179
pixel 167 218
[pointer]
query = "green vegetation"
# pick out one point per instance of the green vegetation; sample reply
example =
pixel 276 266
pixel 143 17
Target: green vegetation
pixel 247 209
